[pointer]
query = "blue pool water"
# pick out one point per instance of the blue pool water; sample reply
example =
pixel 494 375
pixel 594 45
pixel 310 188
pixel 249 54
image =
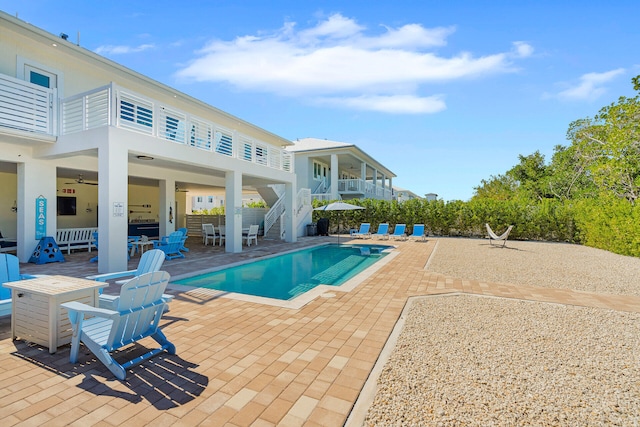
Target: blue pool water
pixel 286 276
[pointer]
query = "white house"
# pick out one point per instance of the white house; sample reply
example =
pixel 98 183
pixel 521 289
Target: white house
pixel 402 195
pixel 116 146
pixel 339 170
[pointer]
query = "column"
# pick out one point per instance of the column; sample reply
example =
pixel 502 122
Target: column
pixel 233 212
pixel 113 207
pixel 167 205
pixel 35 178
pixel 335 194
pixel 290 208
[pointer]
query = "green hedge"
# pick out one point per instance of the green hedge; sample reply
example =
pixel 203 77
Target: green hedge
pixel 611 224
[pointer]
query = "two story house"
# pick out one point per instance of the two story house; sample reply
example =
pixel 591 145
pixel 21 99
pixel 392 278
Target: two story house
pixel 339 170
pixel 74 124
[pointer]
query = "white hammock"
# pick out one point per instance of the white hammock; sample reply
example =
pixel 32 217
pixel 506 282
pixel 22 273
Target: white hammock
pixel 503 237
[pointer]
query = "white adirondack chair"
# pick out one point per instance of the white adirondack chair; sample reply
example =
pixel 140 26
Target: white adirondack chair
pixel 137 316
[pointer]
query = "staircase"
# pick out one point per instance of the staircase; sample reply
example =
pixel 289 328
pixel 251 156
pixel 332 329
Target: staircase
pixel 273 195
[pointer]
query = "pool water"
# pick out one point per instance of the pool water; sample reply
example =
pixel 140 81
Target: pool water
pixel 286 276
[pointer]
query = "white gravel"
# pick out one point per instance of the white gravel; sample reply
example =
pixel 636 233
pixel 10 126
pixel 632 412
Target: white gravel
pixel 477 361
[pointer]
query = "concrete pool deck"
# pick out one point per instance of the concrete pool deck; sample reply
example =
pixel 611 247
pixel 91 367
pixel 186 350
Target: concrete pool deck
pixel 241 363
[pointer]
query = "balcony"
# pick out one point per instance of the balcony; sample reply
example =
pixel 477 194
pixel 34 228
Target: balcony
pixel 357 188
pixel 31 108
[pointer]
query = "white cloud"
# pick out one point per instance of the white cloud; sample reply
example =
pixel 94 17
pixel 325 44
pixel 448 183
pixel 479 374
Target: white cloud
pixel 339 58
pixel 523 49
pixel 395 104
pixel 590 85
pixel 119 50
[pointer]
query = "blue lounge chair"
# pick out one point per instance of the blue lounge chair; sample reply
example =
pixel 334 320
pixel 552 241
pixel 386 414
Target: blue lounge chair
pixel 363 232
pixel 9 272
pixel 418 232
pixel 383 231
pixel 398 231
pixel 170 245
pixel 137 316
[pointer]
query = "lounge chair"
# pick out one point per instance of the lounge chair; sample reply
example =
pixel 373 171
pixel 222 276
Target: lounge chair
pixel 150 261
pixel 252 234
pixel 9 272
pixel 137 316
pixel 503 237
pixel 418 232
pixel 383 231
pixel 363 232
pixel 398 232
pixel 170 245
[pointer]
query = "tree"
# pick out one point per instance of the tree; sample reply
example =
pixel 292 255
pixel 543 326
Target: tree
pixel 610 146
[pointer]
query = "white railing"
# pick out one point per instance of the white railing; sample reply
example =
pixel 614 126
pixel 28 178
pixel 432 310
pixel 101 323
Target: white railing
pixel 114 106
pixel 26 106
pixel 274 214
pixel 303 200
pixel 360 186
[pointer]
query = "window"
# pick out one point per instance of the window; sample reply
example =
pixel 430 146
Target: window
pixel 40 77
pixel 199 199
pixel 210 199
pixel 319 171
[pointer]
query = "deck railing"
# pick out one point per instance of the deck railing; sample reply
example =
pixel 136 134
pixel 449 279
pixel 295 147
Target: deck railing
pixel 112 105
pixel 26 106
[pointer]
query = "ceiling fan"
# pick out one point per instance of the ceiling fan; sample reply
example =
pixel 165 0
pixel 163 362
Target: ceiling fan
pixel 80 180
pixel 179 190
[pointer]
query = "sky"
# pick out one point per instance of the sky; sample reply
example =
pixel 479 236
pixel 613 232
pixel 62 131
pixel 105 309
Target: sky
pixel 442 93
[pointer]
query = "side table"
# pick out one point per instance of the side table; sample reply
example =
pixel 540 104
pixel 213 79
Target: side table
pixel 36 315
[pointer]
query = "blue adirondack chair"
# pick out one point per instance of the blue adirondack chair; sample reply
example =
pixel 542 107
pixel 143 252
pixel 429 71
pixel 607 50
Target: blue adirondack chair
pixel 170 245
pixel 150 261
pixel 9 272
pixel 136 316
pixel 398 231
pixel 383 231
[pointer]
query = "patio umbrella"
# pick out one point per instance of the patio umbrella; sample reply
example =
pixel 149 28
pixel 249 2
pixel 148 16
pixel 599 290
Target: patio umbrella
pixel 338 206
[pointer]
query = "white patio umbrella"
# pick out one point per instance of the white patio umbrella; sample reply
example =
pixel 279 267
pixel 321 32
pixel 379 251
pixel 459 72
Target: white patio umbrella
pixel 338 206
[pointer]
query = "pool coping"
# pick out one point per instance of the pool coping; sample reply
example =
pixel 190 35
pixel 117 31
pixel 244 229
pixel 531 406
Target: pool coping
pixel 320 291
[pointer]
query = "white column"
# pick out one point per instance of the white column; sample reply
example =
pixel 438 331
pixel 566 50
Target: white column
pixel 166 210
pixel 290 219
pixel 334 177
pixel 233 212
pixel 35 178
pixel 113 207
pixel 390 188
pixel 363 172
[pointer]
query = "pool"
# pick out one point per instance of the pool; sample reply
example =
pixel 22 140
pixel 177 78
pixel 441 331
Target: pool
pixel 287 276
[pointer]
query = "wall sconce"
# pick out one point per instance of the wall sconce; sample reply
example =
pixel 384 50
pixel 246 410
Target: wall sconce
pixel 14 208
pixel 89 210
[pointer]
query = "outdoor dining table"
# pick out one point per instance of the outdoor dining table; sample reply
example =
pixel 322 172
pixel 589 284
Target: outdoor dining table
pixel 36 315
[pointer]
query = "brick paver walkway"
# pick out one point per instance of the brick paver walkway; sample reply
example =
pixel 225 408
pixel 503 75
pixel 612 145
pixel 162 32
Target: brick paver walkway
pixel 241 363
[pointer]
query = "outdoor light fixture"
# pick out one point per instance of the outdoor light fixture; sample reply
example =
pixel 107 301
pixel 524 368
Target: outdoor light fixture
pixel 145 157
pixel 89 210
pixel 14 208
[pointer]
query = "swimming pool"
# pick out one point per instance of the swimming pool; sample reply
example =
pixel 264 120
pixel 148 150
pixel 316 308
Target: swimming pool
pixel 287 276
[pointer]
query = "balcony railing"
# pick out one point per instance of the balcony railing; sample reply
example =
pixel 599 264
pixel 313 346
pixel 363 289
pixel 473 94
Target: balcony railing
pixel 115 106
pixel 27 107
pixel 366 188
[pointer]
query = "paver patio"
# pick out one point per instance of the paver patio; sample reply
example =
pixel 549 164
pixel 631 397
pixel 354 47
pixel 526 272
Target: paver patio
pixel 240 363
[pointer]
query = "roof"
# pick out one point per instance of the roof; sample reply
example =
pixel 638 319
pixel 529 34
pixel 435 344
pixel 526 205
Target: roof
pixel 313 144
pixel 316 145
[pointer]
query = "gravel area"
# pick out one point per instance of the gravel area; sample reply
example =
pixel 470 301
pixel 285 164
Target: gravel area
pixel 549 265
pixel 477 361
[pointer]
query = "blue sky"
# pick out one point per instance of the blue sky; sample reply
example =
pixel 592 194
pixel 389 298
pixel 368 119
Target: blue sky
pixel 443 93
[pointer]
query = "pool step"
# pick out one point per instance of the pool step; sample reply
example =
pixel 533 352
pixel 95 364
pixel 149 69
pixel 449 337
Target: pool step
pixel 338 270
